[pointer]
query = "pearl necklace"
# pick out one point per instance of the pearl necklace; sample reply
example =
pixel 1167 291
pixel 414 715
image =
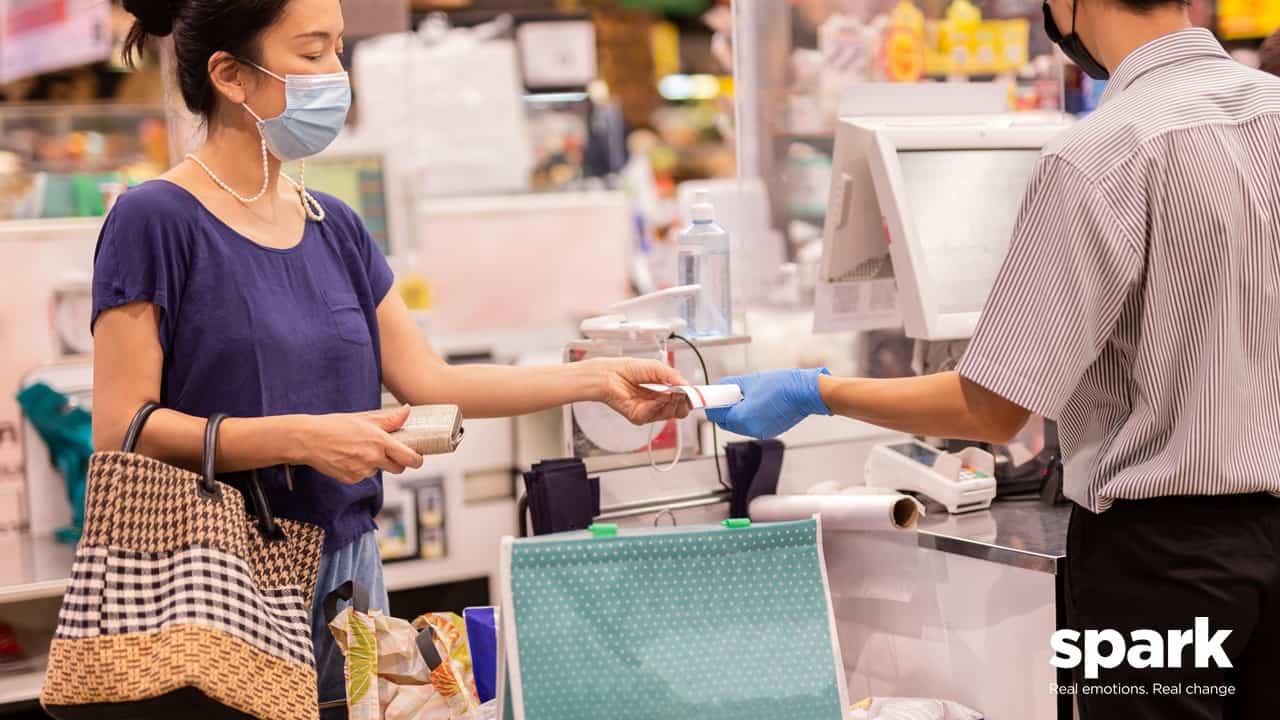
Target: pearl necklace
pixel 310 205
pixel 313 208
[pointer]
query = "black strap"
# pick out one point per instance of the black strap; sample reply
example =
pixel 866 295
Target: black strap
pixel 267 524
pixel 262 509
pixel 349 590
pixel 209 462
pixel 135 427
pixel 427 648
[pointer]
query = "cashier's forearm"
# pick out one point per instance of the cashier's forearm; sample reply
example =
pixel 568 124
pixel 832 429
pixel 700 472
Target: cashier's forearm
pixel 938 405
pixel 483 391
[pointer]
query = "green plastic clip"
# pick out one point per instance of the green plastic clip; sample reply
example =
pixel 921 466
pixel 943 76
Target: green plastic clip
pixel 604 530
pixel 737 523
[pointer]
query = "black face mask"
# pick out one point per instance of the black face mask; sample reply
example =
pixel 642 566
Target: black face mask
pixel 1071 44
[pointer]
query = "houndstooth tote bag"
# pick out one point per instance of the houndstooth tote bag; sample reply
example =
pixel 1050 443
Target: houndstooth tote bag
pixel 180 603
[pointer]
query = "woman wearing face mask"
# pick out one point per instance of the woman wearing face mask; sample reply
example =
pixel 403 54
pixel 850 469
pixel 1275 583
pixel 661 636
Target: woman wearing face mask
pixel 223 288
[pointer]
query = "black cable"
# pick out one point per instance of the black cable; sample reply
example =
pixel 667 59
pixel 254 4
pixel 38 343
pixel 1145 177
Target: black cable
pixel 715 435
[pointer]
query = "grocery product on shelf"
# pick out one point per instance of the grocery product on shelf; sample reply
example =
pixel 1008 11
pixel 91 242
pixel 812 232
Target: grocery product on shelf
pixel 1247 19
pixel 72 160
pixel 903 51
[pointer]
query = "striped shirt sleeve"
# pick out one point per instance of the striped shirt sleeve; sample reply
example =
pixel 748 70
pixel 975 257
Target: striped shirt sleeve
pixel 1070 267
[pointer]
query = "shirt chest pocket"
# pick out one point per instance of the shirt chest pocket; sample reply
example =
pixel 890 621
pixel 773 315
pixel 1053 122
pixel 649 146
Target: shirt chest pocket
pixel 348 316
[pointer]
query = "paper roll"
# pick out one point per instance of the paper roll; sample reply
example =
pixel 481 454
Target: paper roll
pixel 432 429
pixel 840 512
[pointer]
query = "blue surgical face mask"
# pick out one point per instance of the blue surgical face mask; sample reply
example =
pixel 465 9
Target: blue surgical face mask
pixel 314 112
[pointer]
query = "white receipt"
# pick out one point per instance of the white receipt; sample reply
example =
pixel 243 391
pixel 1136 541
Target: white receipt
pixel 702 396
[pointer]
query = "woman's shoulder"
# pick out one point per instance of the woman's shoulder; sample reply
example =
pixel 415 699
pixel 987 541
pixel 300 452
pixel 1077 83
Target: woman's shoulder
pixel 342 218
pixel 335 207
pixel 155 203
pixel 348 235
pixel 152 221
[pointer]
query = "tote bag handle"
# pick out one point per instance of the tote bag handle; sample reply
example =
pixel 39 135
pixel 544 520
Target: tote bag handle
pixel 135 427
pixel 208 482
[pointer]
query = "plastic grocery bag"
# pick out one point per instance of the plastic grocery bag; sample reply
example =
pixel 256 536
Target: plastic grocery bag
pixel 389 663
pixel 355 635
pixel 912 709
pixel 468 81
pixel 450 635
pixel 450 694
pixel 717 623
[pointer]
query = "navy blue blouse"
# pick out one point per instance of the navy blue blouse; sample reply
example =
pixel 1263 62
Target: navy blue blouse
pixel 252 331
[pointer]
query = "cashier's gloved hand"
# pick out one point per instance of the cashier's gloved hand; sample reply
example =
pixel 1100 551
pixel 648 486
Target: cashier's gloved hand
pixel 773 402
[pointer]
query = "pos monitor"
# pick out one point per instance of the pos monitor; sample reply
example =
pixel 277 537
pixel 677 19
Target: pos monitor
pixel 938 197
pixel 365 175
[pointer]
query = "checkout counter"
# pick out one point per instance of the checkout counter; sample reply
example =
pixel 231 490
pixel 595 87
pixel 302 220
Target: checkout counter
pixel 992 584
pixel 960 608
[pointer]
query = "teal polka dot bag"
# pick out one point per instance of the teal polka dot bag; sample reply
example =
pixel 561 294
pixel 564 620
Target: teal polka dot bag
pixel 715 623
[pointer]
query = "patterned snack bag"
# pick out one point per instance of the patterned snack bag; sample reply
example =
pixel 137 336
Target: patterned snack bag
pixel 418 702
pixel 357 638
pixel 399 659
pixel 453 678
pixel 451 639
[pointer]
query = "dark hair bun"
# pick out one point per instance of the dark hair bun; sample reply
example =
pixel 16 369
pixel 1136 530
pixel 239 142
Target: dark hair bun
pixel 200 28
pixel 155 16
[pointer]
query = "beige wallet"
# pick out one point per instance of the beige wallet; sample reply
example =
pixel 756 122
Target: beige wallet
pixel 432 429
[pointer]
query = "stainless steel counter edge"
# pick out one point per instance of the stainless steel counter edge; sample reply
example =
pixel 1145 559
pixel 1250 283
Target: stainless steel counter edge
pixel 1020 534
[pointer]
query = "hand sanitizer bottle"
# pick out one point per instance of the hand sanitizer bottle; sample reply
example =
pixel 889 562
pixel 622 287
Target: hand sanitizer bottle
pixel 703 259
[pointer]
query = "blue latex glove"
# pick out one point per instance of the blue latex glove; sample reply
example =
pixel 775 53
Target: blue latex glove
pixel 773 402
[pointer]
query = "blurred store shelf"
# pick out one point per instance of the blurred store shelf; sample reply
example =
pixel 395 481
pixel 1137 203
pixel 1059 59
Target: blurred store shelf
pixel 33 567
pixel 21 687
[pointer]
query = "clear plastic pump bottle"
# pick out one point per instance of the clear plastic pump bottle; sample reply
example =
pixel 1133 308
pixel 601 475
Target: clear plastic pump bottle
pixel 703 259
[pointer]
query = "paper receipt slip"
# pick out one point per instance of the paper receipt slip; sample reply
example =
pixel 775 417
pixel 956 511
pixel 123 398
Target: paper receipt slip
pixel 432 429
pixel 702 396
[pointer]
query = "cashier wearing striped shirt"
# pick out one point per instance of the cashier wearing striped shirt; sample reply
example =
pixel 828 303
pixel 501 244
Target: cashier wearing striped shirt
pixel 1139 306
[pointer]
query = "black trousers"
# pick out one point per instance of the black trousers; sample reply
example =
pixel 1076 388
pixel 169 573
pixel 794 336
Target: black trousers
pixel 1160 564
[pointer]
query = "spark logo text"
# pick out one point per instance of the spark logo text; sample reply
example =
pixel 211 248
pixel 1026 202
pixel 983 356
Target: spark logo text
pixel 1106 649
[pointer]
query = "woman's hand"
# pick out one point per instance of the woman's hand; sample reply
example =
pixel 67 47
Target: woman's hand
pixel 619 381
pixel 353 446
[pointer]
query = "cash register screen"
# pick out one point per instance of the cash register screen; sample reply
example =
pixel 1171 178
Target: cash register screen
pixel 920 453
pixel 964 204
pixel 357 180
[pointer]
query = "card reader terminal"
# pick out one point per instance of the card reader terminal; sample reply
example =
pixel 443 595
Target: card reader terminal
pixel 961 482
